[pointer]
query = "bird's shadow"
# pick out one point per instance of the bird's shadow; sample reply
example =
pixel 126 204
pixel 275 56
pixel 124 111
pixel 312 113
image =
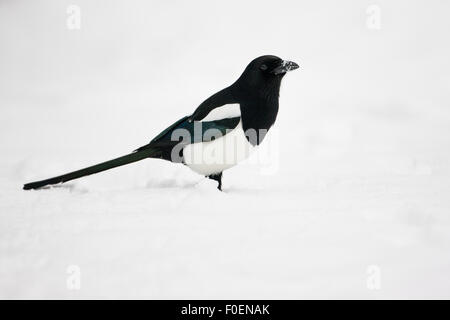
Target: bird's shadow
pixel 71 187
pixel 244 190
pixel 171 184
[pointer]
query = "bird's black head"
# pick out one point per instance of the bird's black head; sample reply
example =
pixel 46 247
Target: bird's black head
pixel 264 74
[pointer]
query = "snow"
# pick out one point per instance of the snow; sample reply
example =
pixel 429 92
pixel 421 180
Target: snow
pixel 354 180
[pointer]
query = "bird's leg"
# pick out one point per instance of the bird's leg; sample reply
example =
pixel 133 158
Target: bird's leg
pixel 217 177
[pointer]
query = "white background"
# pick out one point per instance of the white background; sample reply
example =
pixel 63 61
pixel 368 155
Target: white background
pixel 361 175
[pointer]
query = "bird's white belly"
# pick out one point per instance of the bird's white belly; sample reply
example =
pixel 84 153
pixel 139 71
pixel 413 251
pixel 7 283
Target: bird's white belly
pixel 220 154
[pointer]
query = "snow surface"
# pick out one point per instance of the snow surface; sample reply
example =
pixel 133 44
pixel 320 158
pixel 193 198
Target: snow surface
pixel 359 176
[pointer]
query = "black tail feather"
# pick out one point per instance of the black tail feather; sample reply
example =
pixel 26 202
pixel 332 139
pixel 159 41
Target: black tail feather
pixel 129 158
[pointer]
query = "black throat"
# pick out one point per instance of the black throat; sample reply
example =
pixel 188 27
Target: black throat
pixel 258 99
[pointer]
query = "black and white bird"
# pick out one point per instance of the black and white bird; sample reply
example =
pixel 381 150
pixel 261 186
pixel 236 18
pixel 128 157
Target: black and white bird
pixel 221 132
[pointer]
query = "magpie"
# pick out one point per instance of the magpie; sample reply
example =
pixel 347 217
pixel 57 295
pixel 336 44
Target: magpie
pixel 222 131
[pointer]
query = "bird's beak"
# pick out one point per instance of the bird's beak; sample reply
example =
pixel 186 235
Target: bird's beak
pixel 284 67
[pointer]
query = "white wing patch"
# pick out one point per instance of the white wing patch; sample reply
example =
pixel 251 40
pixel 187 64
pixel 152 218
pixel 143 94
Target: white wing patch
pixel 224 112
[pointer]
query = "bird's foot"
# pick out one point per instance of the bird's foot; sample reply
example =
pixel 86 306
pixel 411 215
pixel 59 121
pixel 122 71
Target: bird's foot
pixel 217 177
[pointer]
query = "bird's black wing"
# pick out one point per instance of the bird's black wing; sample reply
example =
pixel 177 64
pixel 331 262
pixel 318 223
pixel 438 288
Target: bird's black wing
pixel 190 123
pixel 219 99
pixel 187 132
pixel 191 129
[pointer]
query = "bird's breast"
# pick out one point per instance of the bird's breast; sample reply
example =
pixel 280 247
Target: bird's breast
pixel 257 118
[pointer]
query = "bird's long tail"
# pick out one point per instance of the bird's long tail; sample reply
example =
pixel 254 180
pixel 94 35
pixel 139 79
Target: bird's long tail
pixel 129 158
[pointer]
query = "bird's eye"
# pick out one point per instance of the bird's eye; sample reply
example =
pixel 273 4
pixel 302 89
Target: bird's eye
pixel 263 67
